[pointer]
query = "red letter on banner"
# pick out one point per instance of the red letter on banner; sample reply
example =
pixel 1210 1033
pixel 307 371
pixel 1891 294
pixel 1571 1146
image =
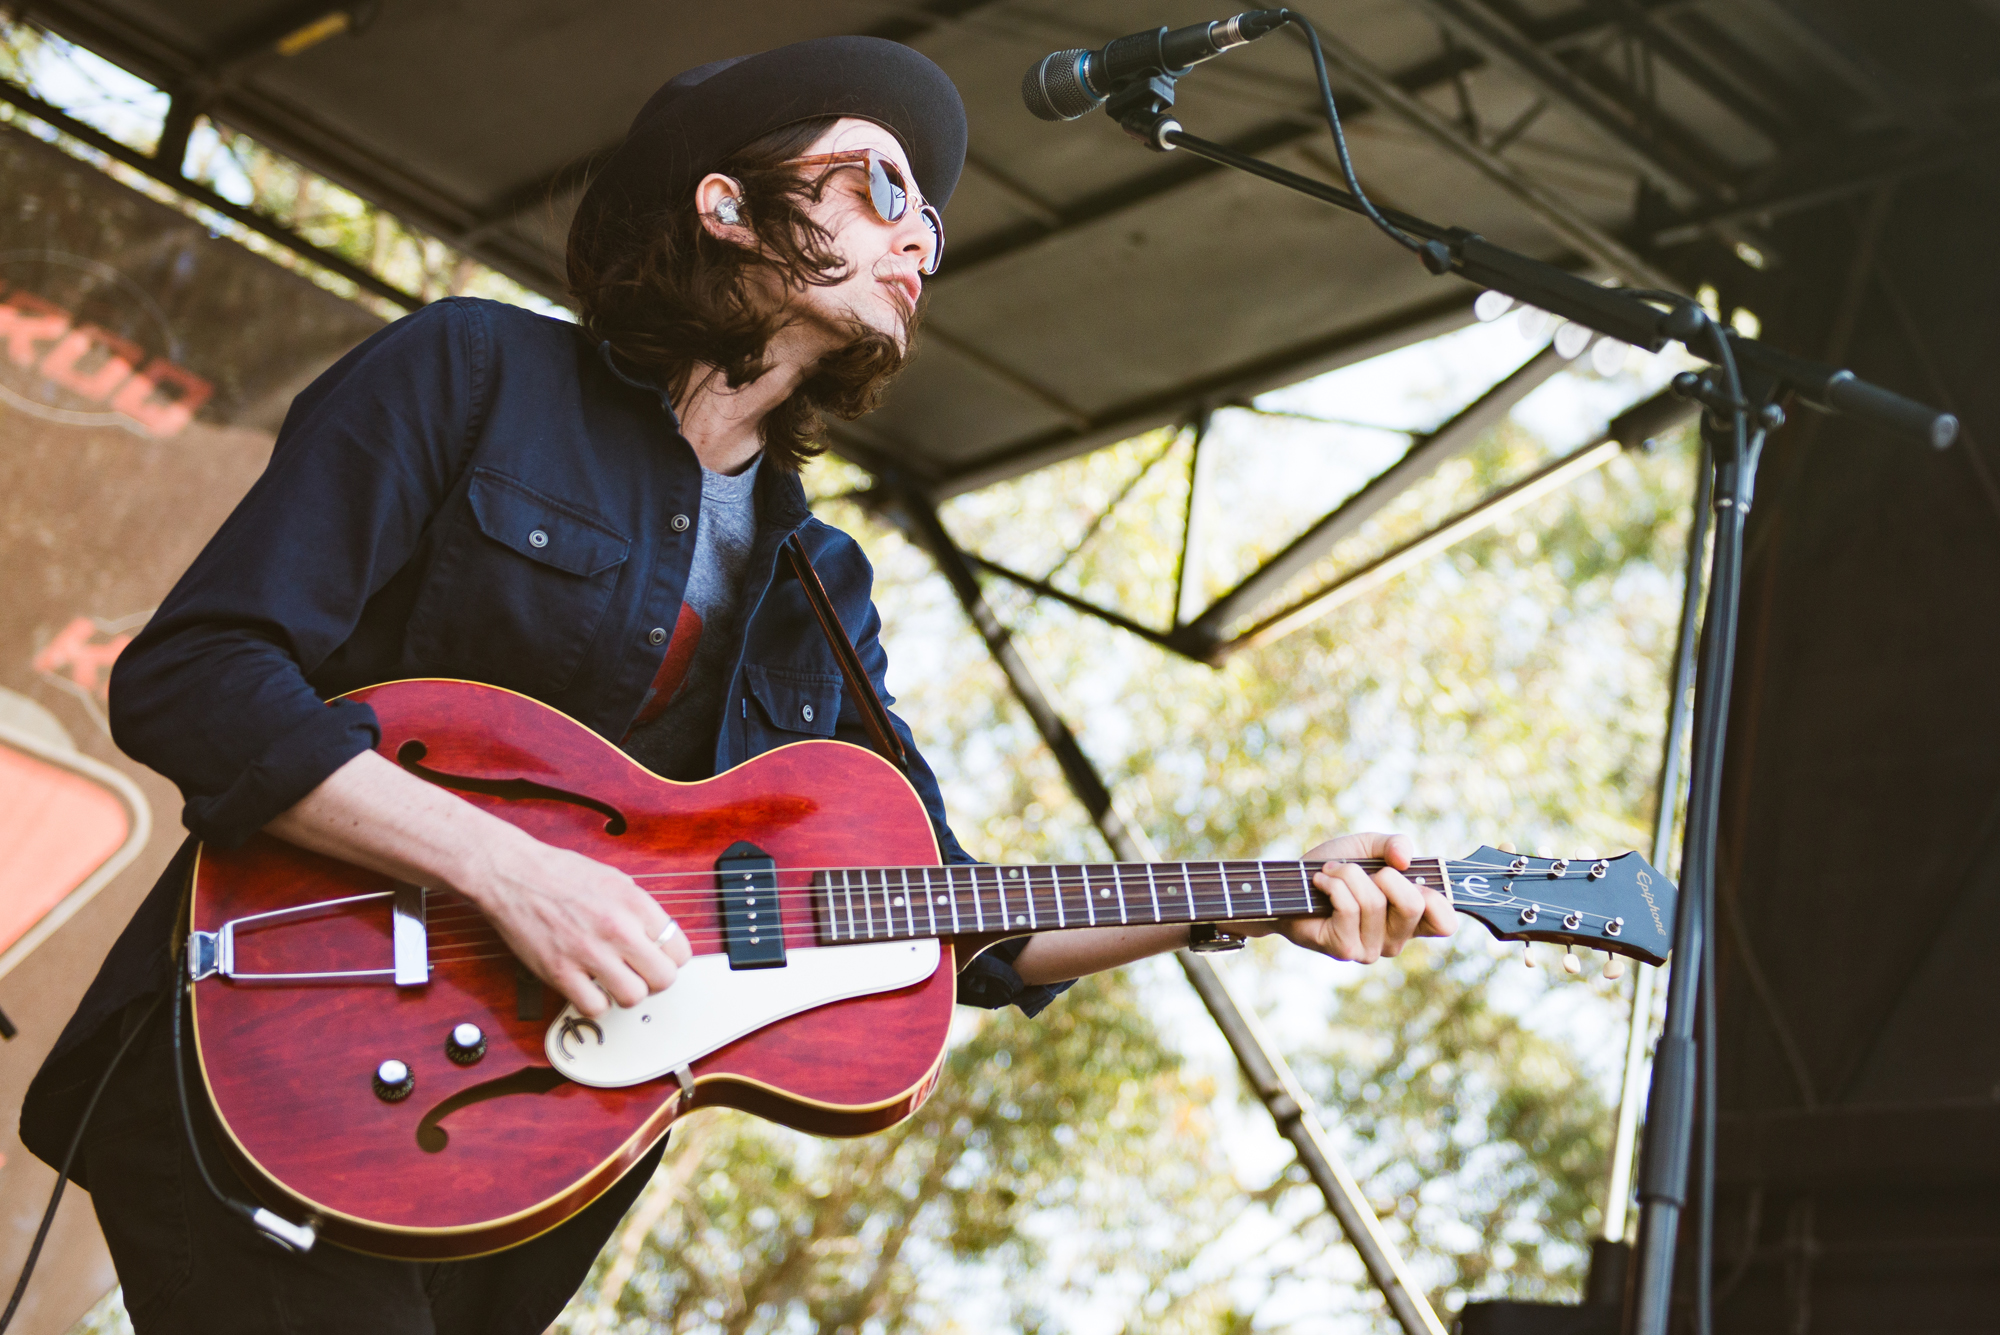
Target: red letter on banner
pixel 122 356
pixel 25 320
pixel 141 401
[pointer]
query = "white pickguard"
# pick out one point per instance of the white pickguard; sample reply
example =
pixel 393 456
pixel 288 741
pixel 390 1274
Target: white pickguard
pixel 711 1004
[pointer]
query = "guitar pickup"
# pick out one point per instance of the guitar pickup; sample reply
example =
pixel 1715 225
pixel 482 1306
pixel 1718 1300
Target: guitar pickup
pixel 753 932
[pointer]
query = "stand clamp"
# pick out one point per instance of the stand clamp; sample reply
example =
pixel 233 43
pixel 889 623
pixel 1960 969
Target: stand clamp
pixel 1141 108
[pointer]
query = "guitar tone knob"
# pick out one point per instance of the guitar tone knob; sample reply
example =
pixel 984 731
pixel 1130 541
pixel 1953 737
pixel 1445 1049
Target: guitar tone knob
pixel 466 1044
pixel 393 1081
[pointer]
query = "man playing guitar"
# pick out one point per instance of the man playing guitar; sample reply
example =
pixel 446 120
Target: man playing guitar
pixel 591 515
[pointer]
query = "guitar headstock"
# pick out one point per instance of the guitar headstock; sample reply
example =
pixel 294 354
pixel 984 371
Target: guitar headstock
pixel 1616 904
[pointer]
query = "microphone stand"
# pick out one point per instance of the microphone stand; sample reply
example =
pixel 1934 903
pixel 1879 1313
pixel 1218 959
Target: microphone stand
pixel 1739 393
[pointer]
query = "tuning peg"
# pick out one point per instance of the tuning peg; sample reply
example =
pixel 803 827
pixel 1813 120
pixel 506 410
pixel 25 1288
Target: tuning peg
pixel 1528 954
pixel 1614 967
pixel 1571 964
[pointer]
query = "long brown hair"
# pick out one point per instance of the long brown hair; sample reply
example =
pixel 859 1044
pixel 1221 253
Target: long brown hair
pixel 678 304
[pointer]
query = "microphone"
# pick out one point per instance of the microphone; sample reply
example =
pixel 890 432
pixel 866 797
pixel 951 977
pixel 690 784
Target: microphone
pixel 1068 84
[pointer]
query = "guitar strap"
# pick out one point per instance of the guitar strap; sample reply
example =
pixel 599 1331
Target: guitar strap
pixel 862 691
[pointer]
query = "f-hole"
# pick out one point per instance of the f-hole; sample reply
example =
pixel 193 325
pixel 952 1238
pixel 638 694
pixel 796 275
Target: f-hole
pixel 410 756
pixel 431 1137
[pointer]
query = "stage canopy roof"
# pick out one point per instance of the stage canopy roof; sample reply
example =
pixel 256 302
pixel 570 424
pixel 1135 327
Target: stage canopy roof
pixel 1094 288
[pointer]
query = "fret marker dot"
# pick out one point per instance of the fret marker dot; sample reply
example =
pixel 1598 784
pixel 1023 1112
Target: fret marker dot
pixel 938 900
pixel 1020 922
pixel 1014 872
pixel 1243 889
pixel 897 901
pixel 1104 894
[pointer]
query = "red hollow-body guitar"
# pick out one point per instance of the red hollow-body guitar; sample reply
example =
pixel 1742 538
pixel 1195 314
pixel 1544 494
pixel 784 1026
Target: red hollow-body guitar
pixel 381 1064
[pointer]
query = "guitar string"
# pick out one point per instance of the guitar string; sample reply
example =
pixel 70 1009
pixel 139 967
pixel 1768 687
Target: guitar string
pixel 983 886
pixel 1070 875
pixel 803 934
pixel 1233 903
pixel 1041 905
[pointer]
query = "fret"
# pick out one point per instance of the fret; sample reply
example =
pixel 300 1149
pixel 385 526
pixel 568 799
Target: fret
pixel 909 903
pixel 1027 889
pixel 1006 914
pixel 1265 881
pixel 1089 902
pixel 867 906
pixel 847 893
pixel 1019 919
pixel 1188 881
pixel 1055 893
pixel 979 910
pixel 950 898
pixel 1228 905
pixel 930 905
pixel 1153 888
pixel 1119 882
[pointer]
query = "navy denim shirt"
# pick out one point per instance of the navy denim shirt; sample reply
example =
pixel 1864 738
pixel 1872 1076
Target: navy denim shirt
pixel 390 537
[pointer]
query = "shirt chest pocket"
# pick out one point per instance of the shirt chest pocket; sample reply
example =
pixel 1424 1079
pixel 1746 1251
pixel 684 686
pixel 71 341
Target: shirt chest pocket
pixel 791 706
pixel 518 589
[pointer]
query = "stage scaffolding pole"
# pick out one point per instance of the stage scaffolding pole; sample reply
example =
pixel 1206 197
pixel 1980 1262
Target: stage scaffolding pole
pixel 1268 1074
pixel 1680 682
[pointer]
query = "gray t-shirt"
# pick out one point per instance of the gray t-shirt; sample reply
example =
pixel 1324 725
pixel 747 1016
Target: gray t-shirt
pixel 675 731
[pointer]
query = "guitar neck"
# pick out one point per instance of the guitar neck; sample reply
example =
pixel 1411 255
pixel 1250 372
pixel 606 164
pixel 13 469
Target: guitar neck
pixel 894 903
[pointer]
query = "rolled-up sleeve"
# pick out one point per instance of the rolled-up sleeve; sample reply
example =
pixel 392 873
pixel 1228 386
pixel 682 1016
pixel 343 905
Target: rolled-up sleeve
pixel 991 982
pixel 214 692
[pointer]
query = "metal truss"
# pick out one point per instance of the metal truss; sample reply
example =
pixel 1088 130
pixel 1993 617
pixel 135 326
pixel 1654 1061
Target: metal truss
pixel 1232 622
pixel 167 170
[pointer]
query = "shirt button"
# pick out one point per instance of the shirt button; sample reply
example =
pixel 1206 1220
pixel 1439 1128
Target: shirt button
pixel 657 635
pixel 806 713
pixel 538 539
pixel 679 523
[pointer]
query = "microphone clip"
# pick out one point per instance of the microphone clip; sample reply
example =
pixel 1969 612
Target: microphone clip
pixel 1141 108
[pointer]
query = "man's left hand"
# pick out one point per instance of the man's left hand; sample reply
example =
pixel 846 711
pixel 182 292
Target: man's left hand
pixel 1373 914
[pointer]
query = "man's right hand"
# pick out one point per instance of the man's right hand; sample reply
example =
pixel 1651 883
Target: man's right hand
pixel 585 929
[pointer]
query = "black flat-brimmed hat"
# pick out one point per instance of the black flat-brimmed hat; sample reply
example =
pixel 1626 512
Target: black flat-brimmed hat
pixel 703 115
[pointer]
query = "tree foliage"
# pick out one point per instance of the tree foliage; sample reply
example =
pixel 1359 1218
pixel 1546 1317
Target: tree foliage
pixel 1050 1148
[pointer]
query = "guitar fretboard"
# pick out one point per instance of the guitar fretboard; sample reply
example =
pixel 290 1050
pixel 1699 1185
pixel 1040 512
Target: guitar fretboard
pixel 895 903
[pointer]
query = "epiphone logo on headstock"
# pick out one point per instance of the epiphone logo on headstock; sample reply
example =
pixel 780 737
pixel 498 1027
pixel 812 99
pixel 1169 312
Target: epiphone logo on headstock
pixel 1646 890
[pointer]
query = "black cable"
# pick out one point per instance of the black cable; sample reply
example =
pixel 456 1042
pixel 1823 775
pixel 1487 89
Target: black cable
pixel 1435 254
pixel 69 1158
pixel 292 1237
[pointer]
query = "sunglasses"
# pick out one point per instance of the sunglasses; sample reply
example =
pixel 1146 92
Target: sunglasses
pixel 888 191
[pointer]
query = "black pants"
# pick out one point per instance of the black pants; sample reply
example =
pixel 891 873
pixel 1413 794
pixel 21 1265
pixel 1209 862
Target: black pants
pixel 190 1266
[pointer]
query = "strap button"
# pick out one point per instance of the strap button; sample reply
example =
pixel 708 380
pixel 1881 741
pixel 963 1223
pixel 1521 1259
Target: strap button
pixel 806 713
pixel 538 539
pixel 656 636
pixel 679 523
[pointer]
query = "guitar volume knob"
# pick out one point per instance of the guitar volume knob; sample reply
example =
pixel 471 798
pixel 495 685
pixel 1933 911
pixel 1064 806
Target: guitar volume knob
pixel 393 1081
pixel 466 1044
